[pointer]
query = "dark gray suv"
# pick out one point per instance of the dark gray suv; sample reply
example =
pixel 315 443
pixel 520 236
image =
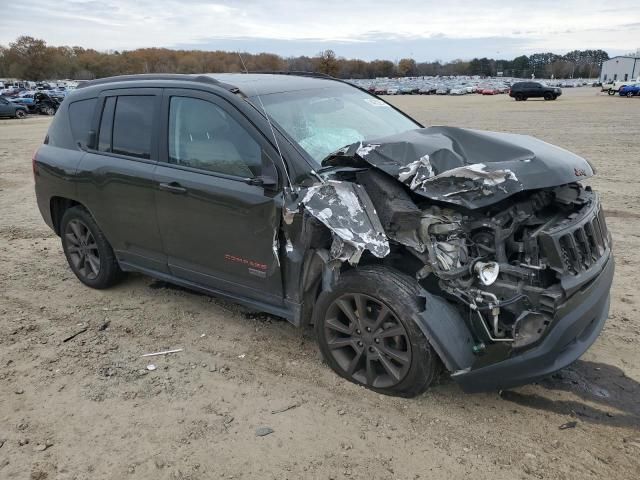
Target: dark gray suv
pixel 407 248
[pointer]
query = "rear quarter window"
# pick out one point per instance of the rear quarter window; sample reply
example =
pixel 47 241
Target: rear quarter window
pixel 80 117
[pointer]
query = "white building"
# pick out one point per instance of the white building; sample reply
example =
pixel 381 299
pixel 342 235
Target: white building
pixel 621 68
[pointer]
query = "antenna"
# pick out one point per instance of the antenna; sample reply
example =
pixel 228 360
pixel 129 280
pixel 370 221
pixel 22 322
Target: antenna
pixel 273 132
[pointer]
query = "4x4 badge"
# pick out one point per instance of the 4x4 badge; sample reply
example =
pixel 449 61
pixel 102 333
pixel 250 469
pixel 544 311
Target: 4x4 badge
pixel 579 172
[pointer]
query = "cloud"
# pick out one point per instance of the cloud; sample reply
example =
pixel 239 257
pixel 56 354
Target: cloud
pixel 428 29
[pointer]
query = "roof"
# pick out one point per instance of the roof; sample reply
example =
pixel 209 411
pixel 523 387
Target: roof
pixel 250 84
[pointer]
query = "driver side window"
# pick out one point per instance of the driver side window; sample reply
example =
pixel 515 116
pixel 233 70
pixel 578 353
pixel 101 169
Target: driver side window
pixel 204 136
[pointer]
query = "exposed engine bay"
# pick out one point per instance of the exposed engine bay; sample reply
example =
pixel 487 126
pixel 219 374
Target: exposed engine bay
pixel 507 255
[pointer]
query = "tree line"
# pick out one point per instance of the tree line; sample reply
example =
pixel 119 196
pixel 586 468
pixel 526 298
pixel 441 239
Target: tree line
pixel 29 58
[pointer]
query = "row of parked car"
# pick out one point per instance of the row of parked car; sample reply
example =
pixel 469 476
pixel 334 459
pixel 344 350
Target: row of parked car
pixel 20 99
pixel 462 86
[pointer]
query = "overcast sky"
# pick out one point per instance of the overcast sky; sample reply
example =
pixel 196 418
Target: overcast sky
pixel 422 29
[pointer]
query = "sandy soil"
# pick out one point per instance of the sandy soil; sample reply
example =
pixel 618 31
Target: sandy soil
pixel 88 408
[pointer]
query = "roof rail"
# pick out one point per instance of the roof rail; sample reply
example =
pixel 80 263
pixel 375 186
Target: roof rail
pixel 297 73
pixel 159 76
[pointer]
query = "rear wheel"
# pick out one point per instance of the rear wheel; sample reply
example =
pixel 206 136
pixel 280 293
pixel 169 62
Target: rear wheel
pixel 87 250
pixel 629 94
pixel 548 96
pixel 519 97
pixel 611 92
pixel 366 333
pixel 21 114
pixel 49 111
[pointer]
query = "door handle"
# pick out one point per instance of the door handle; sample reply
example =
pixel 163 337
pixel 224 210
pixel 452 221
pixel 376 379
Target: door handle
pixel 173 187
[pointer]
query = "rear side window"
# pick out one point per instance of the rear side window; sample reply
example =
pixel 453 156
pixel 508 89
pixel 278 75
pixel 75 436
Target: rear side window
pixel 130 131
pixel 80 115
pixel 132 126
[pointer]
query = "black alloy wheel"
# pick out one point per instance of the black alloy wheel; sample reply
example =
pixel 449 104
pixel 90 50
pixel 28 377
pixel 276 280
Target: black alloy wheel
pixel 367 341
pixel 88 252
pixel 82 249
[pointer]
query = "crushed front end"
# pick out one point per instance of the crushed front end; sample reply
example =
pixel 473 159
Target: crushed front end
pixel 515 263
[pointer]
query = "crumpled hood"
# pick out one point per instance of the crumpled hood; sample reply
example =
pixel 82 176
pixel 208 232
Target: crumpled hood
pixel 470 168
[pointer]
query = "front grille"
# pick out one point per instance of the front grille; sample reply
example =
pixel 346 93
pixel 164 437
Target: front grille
pixel 576 245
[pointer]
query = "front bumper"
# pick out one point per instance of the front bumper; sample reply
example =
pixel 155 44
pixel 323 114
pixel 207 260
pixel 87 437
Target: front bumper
pixel 578 324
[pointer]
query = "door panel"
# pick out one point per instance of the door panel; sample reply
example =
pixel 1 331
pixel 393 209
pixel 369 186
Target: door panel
pixel 119 193
pixel 219 232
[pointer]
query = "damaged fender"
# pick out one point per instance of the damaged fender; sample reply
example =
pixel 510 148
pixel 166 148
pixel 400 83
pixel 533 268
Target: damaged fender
pixel 346 210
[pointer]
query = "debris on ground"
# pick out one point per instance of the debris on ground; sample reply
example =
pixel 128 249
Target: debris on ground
pixel 568 425
pixel 284 409
pixel 263 431
pixel 74 335
pixel 151 367
pixel 165 352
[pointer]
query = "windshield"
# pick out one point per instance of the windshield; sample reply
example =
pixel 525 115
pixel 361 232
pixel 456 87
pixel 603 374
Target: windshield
pixel 325 119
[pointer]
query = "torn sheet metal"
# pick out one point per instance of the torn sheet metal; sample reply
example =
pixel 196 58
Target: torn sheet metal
pixel 345 208
pixel 466 167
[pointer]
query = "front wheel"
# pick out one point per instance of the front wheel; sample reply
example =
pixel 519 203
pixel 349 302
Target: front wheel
pixel 87 250
pixel 548 96
pixel 21 114
pixel 366 333
pixel 611 92
pixel 629 94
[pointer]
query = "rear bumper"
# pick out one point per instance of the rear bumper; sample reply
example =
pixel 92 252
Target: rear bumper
pixel 578 324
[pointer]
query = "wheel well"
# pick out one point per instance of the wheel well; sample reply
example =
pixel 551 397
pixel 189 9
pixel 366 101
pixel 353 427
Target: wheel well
pixel 58 206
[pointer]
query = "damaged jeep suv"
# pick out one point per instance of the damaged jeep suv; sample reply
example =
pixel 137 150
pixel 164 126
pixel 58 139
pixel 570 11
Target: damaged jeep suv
pixel 407 248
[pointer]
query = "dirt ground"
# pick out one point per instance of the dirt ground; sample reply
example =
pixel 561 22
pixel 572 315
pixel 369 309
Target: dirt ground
pixel 89 409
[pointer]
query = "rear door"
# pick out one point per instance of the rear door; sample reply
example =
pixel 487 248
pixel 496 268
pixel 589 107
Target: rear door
pixel 117 175
pixel 218 224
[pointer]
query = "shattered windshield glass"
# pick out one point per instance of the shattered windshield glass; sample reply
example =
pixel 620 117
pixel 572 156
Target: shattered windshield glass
pixel 325 119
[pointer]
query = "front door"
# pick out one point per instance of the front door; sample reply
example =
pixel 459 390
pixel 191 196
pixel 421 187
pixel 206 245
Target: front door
pixel 218 224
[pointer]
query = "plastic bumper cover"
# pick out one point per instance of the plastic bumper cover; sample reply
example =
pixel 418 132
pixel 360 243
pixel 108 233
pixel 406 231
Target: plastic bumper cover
pixel 578 324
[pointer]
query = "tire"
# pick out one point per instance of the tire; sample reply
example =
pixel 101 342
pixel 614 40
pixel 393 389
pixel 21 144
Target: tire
pixel 629 94
pixel 87 250
pixel 21 114
pixel 50 111
pixel 363 351
pixel 519 97
pixel 611 92
pixel 555 97
pixel 524 99
pixel 548 96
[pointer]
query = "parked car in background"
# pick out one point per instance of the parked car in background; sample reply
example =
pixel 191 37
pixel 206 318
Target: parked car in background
pixel 524 90
pixel 490 91
pixel 629 90
pixel 616 86
pixel 11 109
